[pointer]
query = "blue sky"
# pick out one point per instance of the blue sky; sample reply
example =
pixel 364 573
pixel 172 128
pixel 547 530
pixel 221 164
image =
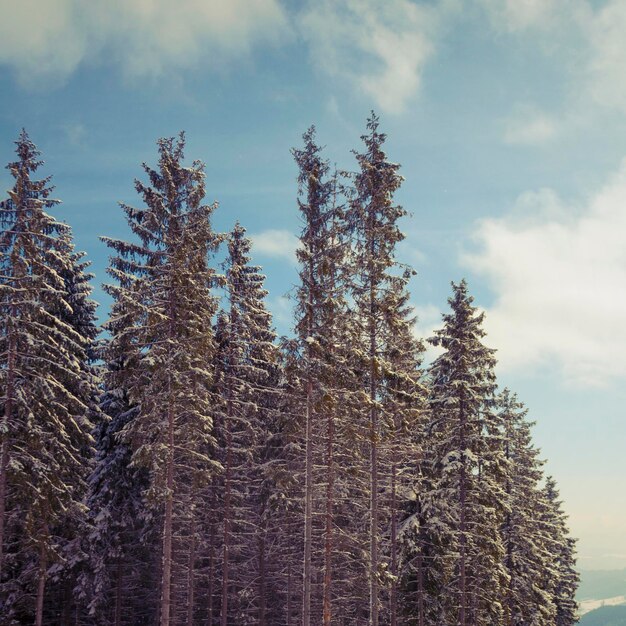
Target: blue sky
pixel 509 120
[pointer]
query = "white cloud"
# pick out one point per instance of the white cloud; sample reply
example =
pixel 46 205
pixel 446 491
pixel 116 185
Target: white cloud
pixel 587 36
pixel 528 126
pixel 282 311
pixel 558 274
pixel 51 39
pixel 428 320
pixel 519 15
pixel 74 132
pixel 380 48
pixel 275 243
pixel 608 59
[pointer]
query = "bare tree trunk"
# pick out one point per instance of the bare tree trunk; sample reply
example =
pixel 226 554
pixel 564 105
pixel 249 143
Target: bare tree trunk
pixel 421 618
pixel 308 489
pixel 8 416
pixel 308 510
pixel 463 525
pixel 289 595
pixel 166 579
pixel 373 457
pixel 41 586
pixel 191 571
pixel 118 593
pixel 328 548
pixel 262 599
pixel 227 517
pixel 393 600
pixel 211 558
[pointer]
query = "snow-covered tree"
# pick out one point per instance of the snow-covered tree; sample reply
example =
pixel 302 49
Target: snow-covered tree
pixel 378 286
pixel 562 577
pixel 48 392
pixel 466 499
pixel 316 190
pixel 122 542
pixel 165 308
pixel 527 600
pixel 247 378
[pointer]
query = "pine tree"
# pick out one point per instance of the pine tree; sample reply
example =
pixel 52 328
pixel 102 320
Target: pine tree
pixel 465 503
pixel 165 307
pixel 48 391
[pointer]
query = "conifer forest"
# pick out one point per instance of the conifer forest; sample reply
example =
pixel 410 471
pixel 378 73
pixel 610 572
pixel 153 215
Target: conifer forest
pixel 184 465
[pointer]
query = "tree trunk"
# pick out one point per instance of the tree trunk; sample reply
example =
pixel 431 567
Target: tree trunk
pixel 166 580
pixel 308 510
pixel 211 557
pixel 463 525
pixel 262 600
pixel 308 489
pixel 118 593
pixel 289 595
pixel 328 548
pixel 191 571
pixel 373 455
pixel 421 618
pixel 8 416
pixel 41 586
pixel 227 516
pixel 393 600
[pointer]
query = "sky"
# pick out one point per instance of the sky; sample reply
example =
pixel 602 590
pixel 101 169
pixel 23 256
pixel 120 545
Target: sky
pixel 507 116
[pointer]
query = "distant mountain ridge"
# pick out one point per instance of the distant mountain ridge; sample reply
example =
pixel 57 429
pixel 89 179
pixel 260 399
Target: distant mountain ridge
pixel 605 616
pixel 599 584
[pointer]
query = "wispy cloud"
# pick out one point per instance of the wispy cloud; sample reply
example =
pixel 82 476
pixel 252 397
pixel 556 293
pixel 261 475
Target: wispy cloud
pixel 529 126
pixel 380 48
pixel 521 15
pixel 50 40
pixel 276 243
pixel 558 274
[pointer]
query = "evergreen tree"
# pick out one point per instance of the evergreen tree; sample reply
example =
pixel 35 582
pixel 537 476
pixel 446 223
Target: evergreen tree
pixel 165 308
pixel 562 578
pixel 316 189
pixel 527 601
pixel 122 542
pixel 380 313
pixel 48 391
pixel 247 367
pixel 466 500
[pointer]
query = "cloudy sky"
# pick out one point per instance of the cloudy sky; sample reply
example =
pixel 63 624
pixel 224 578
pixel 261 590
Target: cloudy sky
pixel 509 120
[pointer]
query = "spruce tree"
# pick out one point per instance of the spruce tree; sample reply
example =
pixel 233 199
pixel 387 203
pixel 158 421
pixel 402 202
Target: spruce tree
pixel 561 578
pixel 165 308
pixel 316 189
pixel 247 371
pixel 526 599
pixel 466 499
pixel 48 391
pixel 378 290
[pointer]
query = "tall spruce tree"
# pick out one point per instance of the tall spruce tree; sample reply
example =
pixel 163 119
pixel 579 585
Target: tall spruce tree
pixel 562 578
pixel 48 392
pixel 247 370
pixel 122 544
pixel 317 190
pixel 527 601
pixel 466 499
pixel 377 289
pixel 165 308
